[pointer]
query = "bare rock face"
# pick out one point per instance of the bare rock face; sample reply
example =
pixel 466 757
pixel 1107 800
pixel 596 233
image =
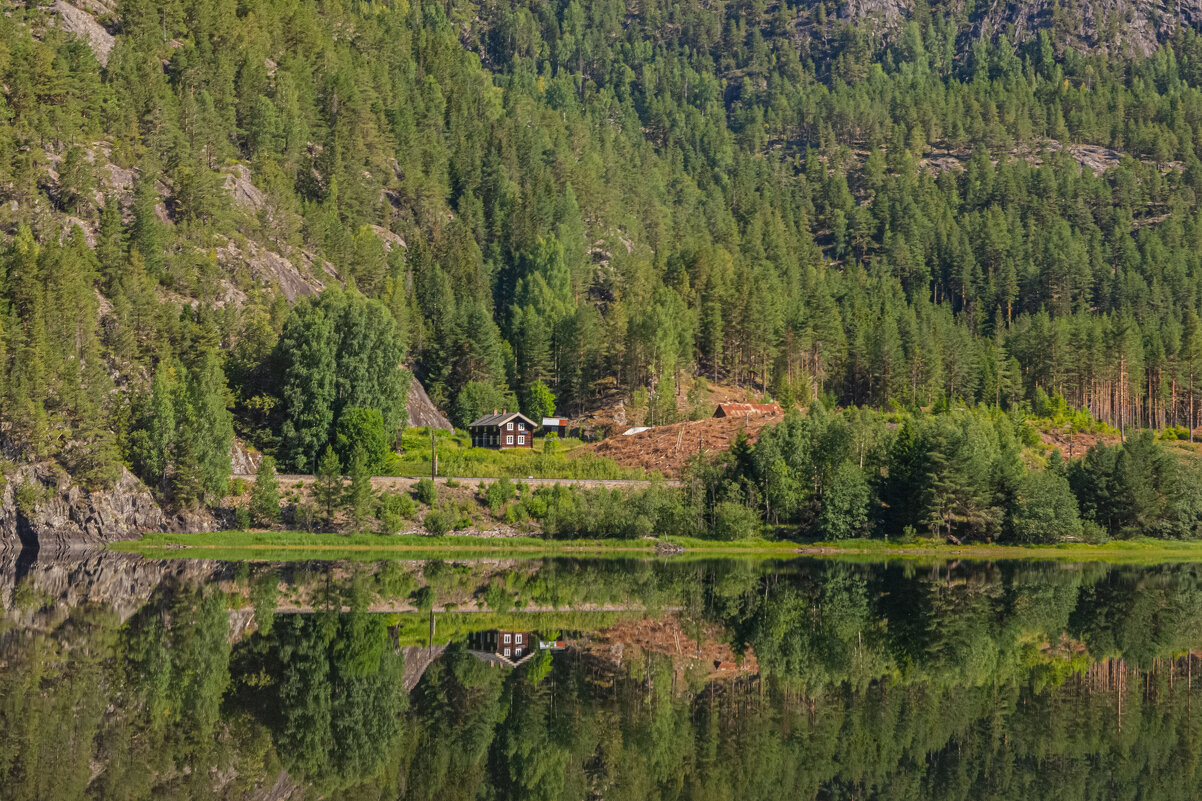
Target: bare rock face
pixel 422 411
pixel 1128 26
pixel 244 460
pixel 41 508
pixel 1135 27
pixel 81 23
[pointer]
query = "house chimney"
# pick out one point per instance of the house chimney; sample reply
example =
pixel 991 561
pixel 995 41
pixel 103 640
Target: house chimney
pixel 494 411
pixel 504 411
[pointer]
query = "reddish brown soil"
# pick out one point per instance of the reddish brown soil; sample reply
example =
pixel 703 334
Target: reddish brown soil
pixel 1074 445
pixel 693 647
pixel 667 449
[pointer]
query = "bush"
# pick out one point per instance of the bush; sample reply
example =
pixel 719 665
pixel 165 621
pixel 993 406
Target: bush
pixel 423 599
pixel 734 521
pixel 436 523
pixel 241 518
pixel 498 494
pixel 426 491
pixel 304 516
pixel 394 509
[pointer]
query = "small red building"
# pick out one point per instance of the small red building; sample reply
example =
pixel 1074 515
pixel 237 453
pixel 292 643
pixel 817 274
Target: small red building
pixel 502 431
pixel 556 425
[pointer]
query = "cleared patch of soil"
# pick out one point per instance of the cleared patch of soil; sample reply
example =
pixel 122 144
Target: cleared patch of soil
pixel 693 647
pixel 667 449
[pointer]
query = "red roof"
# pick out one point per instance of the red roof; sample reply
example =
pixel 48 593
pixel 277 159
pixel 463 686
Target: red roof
pixel 746 409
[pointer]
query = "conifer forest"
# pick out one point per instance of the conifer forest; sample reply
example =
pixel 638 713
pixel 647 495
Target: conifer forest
pixel 225 218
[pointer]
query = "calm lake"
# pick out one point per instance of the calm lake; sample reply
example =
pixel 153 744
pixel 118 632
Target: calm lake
pixel 126 678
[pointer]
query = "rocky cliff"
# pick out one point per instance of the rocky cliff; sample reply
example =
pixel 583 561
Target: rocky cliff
pixel 1112 26
pixel 42 509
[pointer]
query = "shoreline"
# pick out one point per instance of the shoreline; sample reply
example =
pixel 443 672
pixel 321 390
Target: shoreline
pixel 295 546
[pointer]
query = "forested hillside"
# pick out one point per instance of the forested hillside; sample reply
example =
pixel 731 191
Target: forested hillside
pixel 243 217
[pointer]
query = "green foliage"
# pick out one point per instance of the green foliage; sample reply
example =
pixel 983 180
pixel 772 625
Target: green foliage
pixel 1045 510
pixel 539 402
pixel 339 354
pixel 328 484
pixel 734 521
pixel 437 522
pixel 426 491
pixel 477 399
pixel 498 494
pixel 265 498
pixel 364 429
pixel 394 509
pixel 359 496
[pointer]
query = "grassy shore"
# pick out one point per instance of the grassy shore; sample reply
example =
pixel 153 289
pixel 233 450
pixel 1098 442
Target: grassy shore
pixel 298 546
pixel 1144 550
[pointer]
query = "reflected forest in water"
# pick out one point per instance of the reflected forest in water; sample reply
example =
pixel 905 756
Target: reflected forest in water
pixel 122 678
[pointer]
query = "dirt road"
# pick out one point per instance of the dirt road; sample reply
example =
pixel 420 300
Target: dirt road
pixel 406 482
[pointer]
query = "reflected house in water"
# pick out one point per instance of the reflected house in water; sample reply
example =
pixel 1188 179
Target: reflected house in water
pixel 509 648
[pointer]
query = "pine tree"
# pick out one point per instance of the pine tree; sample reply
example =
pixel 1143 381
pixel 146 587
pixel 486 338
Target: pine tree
pixel 265 498
pixel 327 484
pixel 359 496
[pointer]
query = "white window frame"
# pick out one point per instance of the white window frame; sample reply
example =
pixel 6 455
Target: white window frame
pixel 521 440
pixel 521 426
pixel 506 652
pixel 507 639
pixel 517 638
pixel 509 426
pixel 509 439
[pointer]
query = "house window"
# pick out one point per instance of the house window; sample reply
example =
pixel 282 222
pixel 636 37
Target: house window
pixel 507 639
pixel 509 439
pixel 521 440
pixel 509 426
pixel 518 652
pixel 517 638
pixel 521 426
pixel 506 652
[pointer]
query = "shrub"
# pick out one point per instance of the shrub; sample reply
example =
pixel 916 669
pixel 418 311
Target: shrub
pixel 423 599
pixel 426 491
pixel 436 523
pixel 304 516
pixel 394 509
pixel 498 494
pixel 241 518
pixel 734 521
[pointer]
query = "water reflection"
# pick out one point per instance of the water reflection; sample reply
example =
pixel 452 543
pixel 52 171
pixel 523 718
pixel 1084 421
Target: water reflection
pixel 123 678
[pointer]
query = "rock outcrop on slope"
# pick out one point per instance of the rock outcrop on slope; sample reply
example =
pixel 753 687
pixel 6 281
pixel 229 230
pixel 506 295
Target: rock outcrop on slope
pixel 1112 26
pixel 422 411
pixel 42 508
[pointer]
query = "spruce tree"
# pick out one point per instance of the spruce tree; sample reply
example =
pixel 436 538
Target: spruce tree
pixel 265 498
pixel 359 496
pixel 327 484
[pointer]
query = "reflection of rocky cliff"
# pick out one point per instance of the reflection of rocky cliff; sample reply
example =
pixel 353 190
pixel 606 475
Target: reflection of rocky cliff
pixel 41 508
pixel 49 585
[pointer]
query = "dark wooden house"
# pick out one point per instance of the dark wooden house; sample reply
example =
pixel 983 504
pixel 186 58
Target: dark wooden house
pixel 502 430
pixel 509 648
